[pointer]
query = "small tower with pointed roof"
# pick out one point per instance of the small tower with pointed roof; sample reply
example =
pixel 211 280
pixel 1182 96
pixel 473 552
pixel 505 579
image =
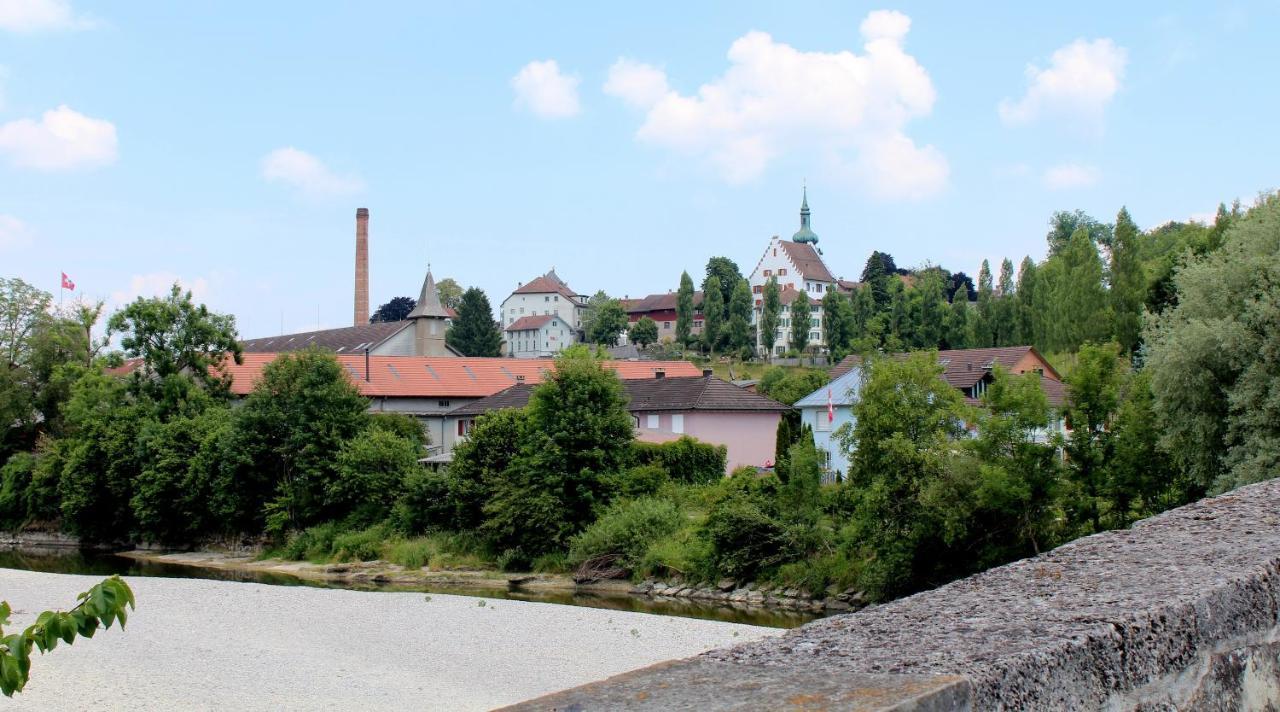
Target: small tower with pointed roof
pixel 805 233
pixel 430 321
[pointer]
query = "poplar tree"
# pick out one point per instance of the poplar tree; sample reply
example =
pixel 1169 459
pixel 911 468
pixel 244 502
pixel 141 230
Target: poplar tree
pixel 986 308
pixel 1005 307
pixel 957 323
pixel 864 311
pixel 1127 282
pixel 1024 299
pixel 836 318
pixel 1081 302
pixel 712 312
pixel 684 309
pixel 738 326
pixel 932 310
pixel 769 316
pixel 800 322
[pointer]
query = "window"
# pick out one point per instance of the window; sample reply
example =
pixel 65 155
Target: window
pixel 556 298
pixel 651 422
pixel 666 325
pixel 814 336
pixel 822 425
pixel 782 272
pixel 677 423
pixel 813 323
pixel 635 421
pixel 815 309
pixel 768 272
pixel 697 324
pixel 775 252
pixel 443 403
pixel 546 299
pixel 757 289
pixel 521 310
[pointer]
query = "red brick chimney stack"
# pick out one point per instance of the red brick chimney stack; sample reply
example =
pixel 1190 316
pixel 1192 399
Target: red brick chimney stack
pixel 362 266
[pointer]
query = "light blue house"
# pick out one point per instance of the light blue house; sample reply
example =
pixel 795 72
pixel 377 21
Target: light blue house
pixel 825 411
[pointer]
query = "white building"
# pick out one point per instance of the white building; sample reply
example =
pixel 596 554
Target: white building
pixel 803 279
pixel 545 296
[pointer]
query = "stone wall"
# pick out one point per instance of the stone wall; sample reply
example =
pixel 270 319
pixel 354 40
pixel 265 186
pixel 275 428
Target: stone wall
pixel 1179 612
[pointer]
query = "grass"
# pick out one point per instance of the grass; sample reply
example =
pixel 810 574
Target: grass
pixel 326 543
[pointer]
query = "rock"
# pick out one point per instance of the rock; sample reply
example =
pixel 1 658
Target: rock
pixel 837 605
pixel 725 584
pixel 751 586
pixel 755 597
pixel 790 593
pixel 739 595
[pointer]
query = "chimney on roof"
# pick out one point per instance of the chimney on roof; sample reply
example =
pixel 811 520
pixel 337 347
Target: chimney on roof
pixel 362 266
pixel 659 373
pixel 707 373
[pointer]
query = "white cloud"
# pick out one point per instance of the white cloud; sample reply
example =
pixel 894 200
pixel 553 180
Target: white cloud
pixel 63 139
pixel 158 284
pixel 544 90
pixel 848 109
pixel 1068 176
pixel 636 83
pixel 38 15
pixel 306 173
pixel 1080 81
pixel 13 233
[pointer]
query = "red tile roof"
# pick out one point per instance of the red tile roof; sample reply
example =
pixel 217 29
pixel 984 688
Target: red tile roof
pixel 534 321
pixel 648 395
pixel 548 283
pixel 789 294
pixel 808 261
pixel 657 302
pixel 962 368
pixel 443 377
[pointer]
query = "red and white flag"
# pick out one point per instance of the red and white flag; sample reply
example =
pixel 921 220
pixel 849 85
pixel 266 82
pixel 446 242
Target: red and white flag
pixel 831 408
pixel 67 284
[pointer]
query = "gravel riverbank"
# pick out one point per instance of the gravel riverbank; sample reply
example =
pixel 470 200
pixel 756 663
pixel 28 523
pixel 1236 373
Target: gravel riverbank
pixel 204 645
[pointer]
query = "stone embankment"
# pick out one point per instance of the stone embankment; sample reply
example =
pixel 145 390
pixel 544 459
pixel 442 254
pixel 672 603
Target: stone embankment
pixel 753 595
pixel 1181 612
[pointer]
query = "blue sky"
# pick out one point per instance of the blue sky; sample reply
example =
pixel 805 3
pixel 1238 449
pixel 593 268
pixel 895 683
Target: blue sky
pixel 228 144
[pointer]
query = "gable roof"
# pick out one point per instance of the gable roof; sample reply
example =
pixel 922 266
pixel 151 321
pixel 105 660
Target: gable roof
pixel 962 368
pixel 534 321
pixel 806 259
pixel 647 395
pixel 428 305
pixel 348 339
pixel 844 391
pixel 549 283
pixel 658 302
pixel 789 294
pixel 443 376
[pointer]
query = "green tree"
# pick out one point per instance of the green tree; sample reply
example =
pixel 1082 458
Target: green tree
pixel 474 332
pixel 877 274
pixel 770 316
pixel 102 605
pixel 837 324
pixel 290 431
pixel 1215 373
pixel 1080 300
pixel 738 327
pixel 450 293
pixel 578 438
pixel 1063 224
pixel 1005 307
pixel 930 325
pixel 644 332
pixel 1128 283
pixel 175 337
pixel 1025 315
pixel 712 313
pixel 605 320
pixel 957 332
pixel 372 469
pixel 684 310
pixel 180 492
pixel 986 332
pixel 1093 400
pixel 728 274
pixel 862 318
pixel 398 309
pixel 801 322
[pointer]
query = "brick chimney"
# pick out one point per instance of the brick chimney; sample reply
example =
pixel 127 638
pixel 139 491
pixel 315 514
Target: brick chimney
pixel 362 266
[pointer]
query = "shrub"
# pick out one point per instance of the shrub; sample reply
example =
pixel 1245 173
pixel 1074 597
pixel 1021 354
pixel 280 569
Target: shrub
pixel 628 530
pixel 745 540
pixel 312 544
pixel 371 472
pixel 685 459
pixel 438 501
pixel 362 545
pixel 406 426
pixel 555 562
pixel 410 553
pixel 640 481
pixel 684 553
pixel 514 560
pixel 15 481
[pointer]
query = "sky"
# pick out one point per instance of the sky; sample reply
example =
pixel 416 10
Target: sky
pixel 227 145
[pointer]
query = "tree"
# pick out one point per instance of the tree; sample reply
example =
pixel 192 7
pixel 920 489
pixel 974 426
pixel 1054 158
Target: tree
pixel 986 333
pixel 930 326
pixel 788 385
pixel 1128 283
pixel 837 324
pixel 1215 372
pixel 770 315
pixel 712 312
pixel 474 332
pixel 801 322
pixel 738 327
pixel 1063 224
pixel 684 310
pixel 861 318
pixel 1093 399
pixel 290 431
pixel 398 309
pixel 22 309
pixel 726 270
pixel 1025 315
pixel 180 493
pixel 450 293
pixel 877 274
pixel 173 336
pixel 372 470
pixel 957 323
pixel 644 332
pixel 102 605
pixel 579 435
pixel 1080 301
pixel 960 279
pixel 604 320
pixel 1005 308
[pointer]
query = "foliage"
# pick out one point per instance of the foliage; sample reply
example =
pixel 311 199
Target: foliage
pixel 605 320
pixel 372 470
pixel 713 308
pixel 640 481
pixel 1128 283
pixel 1064 224
pixel 745 538
pixel 801 321
pixel 627 530
pixel 1215 372
pixel 102 605
pixel 450 293
pixel 684 310
pixel 727 276
pixel 474 332
pixel 15 482
pixel 685 459
pixel 788 385
pixel 398 309
pixel 770 316
pixel 738 334
pixel 643 332
pixel 178 494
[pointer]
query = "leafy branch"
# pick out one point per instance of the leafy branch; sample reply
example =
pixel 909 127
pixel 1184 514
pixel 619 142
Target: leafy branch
pixel 101 605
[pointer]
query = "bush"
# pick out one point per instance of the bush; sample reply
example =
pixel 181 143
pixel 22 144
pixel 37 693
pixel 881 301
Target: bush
pixel 555 562
pixel 372 469
pixel 685 459
pixel 640 481
pixel 627 530
pixel 362 545
pixel 433 501
pixel 514 560
pixel 684 554
pixel 405 426
pixel 745 540
pixel 15 482
pixel 313 544
pixel 180 477
pixel 410 553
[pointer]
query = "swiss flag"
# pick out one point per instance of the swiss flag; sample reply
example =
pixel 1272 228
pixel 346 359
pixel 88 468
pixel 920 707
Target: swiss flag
pixel 831 408
pixel 67 283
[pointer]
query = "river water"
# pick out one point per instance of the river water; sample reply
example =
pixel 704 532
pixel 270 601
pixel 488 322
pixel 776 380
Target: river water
pixel 105 564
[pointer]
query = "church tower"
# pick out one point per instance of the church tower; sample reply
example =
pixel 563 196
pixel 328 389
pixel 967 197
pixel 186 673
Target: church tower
pixel 429 321
pixel 805 233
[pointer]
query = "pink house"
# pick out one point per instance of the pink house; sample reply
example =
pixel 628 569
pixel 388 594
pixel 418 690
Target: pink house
pixel 664 408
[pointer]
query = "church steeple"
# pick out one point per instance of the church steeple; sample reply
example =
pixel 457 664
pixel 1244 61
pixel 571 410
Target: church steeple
pixel 429 305
pixel 429 321
pixel 805 233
